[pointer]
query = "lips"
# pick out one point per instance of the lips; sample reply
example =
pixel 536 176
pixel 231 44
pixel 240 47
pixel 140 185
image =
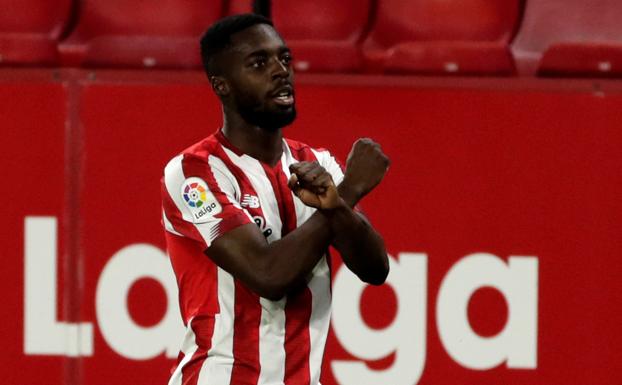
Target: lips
pixel 283 96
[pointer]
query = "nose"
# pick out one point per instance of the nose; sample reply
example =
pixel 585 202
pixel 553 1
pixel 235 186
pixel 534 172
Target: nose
pixel 280 69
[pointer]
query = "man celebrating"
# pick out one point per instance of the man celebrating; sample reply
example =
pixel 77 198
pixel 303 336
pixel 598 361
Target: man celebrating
pixel 249 217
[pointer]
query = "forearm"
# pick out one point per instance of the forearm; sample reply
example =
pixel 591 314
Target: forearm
pixel 288 261
pixel 361 247
pixel 348 194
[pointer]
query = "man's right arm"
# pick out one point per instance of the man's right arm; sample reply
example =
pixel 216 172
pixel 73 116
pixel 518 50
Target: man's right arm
pixel 273 269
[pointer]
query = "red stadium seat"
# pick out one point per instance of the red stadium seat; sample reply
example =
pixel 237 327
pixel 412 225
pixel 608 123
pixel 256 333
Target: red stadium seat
pixel 235 7
pixel 570 37
pixel 121 33
pixel 323 34
pixel 443 36
pixel 29 30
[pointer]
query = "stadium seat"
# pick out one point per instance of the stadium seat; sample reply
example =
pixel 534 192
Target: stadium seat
pixel 570 37
pixel 235 7
pixel 323 34
pixel 29 30
pixel 443 36
pixel 120 33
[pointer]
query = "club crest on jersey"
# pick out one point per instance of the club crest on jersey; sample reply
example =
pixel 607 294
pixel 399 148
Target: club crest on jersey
pixel 200 202
pixel 250 201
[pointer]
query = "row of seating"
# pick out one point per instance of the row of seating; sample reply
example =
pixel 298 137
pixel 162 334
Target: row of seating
pixel 467 37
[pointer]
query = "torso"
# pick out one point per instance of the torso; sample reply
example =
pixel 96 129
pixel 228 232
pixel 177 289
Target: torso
pixel 239 337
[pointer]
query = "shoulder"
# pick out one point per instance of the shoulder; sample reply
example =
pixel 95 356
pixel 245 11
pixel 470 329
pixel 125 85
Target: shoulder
pixel 200 163
pixel 304 152
pixel 196 156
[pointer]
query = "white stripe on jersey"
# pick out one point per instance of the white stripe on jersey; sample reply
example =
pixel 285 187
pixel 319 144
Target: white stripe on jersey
pixel 188 347
pixel 225 178
pixel 216 369
pixel 261 184
pixel 272 341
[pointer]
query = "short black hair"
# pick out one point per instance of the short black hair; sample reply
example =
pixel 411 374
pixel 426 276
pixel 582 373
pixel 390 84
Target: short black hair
pixel 217 37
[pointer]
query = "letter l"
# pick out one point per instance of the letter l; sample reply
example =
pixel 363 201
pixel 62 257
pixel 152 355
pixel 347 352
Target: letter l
pixel 43 334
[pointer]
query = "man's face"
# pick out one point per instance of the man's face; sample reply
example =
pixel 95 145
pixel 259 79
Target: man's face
pixel 259 72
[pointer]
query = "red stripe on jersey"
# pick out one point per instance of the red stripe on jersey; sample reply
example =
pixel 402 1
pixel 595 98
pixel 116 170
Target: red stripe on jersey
pixel 246 365
pixel 283 195
pixel 297 338
pixel 203 330
pixel 192 271
pixel 287 198
pixel 301 152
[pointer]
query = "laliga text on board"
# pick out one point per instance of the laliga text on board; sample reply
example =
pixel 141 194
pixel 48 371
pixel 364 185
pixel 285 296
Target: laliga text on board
pixel 515 345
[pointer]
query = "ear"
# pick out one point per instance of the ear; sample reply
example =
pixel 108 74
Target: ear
pixel 219 85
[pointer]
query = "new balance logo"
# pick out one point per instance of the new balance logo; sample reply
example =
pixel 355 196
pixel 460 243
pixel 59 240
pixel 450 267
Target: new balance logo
pixel 250 201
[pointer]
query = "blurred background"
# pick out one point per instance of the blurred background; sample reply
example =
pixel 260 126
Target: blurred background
pixel 502 210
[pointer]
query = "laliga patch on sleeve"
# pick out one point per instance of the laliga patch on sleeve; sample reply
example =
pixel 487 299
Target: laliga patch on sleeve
pixel 200 202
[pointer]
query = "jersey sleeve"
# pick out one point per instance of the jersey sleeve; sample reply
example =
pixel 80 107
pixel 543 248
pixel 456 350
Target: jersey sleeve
pixel 331 164
pixel 199 199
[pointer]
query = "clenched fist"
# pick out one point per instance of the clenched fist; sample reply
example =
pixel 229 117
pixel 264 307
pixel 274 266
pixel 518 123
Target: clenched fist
pixel 365 168
pixel 314 186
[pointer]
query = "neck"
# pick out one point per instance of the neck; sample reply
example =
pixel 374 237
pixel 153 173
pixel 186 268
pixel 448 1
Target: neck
pixel 261 144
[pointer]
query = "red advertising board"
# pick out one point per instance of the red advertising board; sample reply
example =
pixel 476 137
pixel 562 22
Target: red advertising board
pixel 501 211
pixel 34 213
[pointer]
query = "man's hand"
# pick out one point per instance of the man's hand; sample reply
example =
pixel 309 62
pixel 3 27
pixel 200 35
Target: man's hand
pixel 365 168
pixel 314 186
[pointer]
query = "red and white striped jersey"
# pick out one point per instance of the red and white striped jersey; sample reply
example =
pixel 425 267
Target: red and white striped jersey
pixel 233 336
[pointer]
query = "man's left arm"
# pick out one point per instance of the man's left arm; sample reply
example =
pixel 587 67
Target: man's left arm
pixel 361 247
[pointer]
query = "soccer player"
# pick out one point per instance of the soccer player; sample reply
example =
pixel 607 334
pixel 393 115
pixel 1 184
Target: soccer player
pixel 249 217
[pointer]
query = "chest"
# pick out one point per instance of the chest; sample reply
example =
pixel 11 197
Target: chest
pixel 263 192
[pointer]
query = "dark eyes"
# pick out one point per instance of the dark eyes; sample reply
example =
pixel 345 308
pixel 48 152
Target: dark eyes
pixel 261 62
pixel 258 63
pixel 286 59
